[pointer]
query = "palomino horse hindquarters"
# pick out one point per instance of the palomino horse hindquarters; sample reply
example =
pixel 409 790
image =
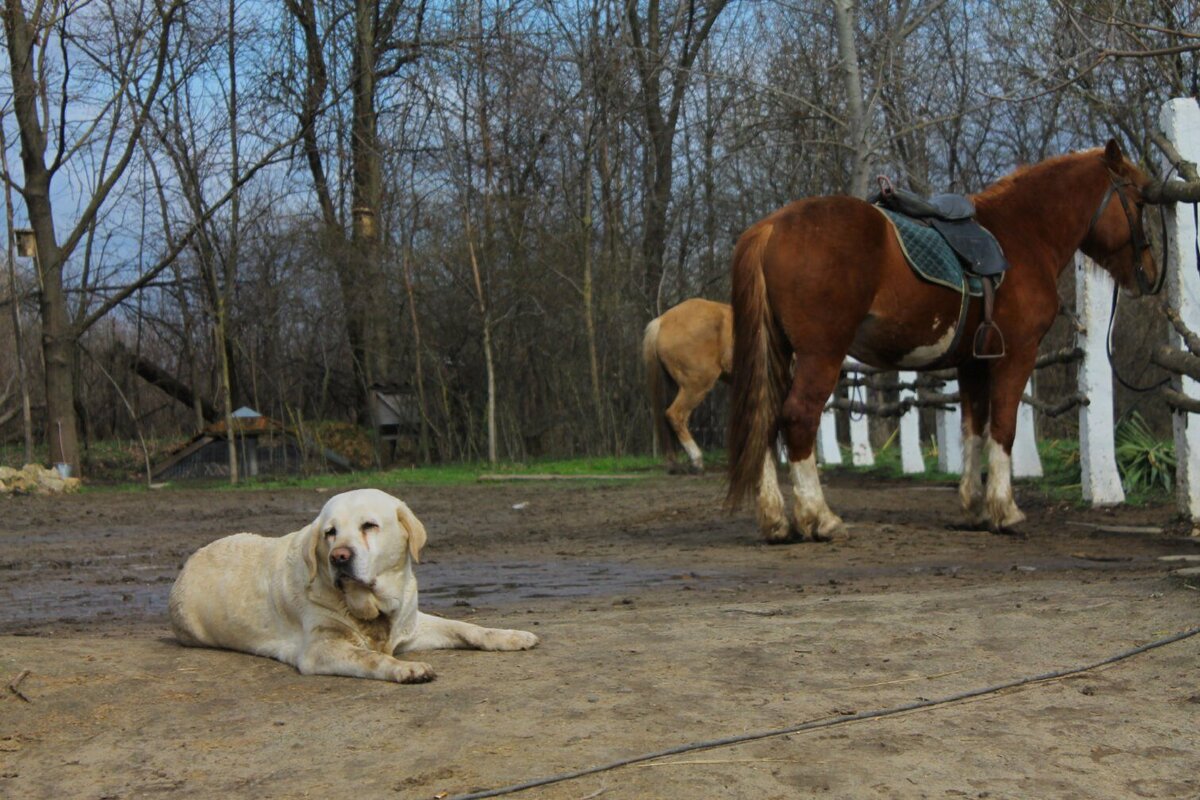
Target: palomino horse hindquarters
pixel 690 345
pixel 824 277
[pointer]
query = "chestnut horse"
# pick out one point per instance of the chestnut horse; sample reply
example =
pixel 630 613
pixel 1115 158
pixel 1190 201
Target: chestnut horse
pixel 825 276
pixel 691 344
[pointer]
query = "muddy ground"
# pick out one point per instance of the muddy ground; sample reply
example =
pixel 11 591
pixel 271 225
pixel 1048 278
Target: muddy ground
pixel 663 622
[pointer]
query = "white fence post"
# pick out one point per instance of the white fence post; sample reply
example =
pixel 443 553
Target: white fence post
pixel 1180 123
pixel 828 451
pixel 861 454
pixel 1097 456
pixel 949 434
pixel 1026 463
pixel 911 460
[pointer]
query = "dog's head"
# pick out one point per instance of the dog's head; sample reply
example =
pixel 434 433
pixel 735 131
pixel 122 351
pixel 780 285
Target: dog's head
pixel 358 537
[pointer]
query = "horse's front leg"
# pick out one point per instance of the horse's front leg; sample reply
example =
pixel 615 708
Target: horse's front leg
pixel 813 380
pixel 973 391
pixel 1008 379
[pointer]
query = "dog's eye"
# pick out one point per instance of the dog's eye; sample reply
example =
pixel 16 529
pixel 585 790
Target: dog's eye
pixel 329 534
pixel 370 526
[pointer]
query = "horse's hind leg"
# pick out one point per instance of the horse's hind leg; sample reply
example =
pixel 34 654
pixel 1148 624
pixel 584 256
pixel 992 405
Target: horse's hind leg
pixel 973 391
pixel 813 381
pixel 769 510
pixel 678 414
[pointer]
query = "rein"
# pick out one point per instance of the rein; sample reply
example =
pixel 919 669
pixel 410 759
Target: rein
pixel 1138 242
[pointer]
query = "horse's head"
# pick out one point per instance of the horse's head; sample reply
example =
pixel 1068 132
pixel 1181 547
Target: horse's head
pixel 1116 238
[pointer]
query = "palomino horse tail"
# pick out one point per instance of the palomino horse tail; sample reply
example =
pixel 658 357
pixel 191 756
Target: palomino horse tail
pixel 658 382
pixel 760 368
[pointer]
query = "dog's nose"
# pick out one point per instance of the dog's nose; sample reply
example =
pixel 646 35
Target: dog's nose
pixel 341 556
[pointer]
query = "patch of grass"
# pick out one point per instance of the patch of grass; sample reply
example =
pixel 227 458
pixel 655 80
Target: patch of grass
pixel 887 464
pixel 438 475
pixel 1061 467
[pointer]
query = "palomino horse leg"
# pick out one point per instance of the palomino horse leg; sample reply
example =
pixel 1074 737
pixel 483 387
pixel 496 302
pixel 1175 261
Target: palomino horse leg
pixel 973 391
pixel 678 414
pixel 772 520
pixel 1008 378
pixel 813 380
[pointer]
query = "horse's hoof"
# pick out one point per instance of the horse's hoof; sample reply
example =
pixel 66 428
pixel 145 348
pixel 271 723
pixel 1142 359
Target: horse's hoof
pixel 1002 519
pixel 975 522
pixel 975 516
pixel 831 530
pixel 825 528
pixel 695 469
pixel 779 533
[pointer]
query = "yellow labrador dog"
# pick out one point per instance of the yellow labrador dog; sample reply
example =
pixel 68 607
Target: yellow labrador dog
pixel 337 597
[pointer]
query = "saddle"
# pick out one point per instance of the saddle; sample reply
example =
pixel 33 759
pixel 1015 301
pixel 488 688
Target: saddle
pixel 982 260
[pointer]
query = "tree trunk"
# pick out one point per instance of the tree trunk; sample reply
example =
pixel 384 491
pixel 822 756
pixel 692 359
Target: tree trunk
pixel 860 169
pixel 489 362
pixel 419 368
pixel 225 291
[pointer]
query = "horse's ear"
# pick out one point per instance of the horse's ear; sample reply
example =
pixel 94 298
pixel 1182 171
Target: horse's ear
pixel 416 531
pixel 1112 154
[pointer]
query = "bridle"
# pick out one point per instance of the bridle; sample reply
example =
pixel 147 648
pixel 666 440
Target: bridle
pixel 1137 240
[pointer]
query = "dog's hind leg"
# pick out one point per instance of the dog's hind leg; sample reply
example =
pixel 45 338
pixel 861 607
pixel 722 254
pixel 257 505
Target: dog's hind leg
pixel 437 633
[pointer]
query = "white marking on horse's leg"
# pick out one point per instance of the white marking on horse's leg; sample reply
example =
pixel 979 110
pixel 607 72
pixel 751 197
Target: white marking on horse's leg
pixel 1002 508
pixel 970 488
pixel 813 516
pixel 694 454
pixel 771 518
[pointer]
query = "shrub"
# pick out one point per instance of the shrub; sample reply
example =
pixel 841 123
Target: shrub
pixel 1145 461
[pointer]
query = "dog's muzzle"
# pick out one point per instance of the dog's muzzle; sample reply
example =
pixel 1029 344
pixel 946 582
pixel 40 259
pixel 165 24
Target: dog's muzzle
pixel 342 561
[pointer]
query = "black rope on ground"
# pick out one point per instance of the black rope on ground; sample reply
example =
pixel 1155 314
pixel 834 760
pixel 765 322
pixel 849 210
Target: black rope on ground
pixel 825 723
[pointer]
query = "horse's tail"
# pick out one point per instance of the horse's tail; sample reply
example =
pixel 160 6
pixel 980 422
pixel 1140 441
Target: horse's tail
pixel 760 368
pixel 657 381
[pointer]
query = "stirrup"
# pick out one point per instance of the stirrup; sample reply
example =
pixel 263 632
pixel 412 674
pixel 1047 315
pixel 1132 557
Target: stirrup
pixel 979 344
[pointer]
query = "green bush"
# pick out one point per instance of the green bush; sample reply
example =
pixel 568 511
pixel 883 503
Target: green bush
pixel 1145 461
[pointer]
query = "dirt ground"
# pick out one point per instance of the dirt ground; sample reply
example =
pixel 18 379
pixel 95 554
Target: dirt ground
pixel 663 621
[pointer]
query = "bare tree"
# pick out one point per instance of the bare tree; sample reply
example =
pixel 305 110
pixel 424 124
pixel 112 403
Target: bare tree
pixel 665 44
pixel 131 74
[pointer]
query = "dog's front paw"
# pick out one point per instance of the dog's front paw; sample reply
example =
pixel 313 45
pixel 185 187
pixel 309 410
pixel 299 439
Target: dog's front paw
pixel 413 672
pixel 498 639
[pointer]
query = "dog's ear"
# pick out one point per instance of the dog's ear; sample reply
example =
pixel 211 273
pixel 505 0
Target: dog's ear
pixel 416 531
pixel 311 537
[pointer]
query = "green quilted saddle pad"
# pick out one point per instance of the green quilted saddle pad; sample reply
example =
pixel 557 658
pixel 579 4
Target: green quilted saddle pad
pixel 929 255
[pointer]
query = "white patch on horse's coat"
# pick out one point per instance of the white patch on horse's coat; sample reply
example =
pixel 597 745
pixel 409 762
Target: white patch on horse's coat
pixel 937 322
pixel 1002 506
pixel 970 488
pixel 928 353
pixel 693 451
pixel 813 515
pixel 771 519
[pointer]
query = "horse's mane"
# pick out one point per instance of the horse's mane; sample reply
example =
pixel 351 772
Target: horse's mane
pixel 1031 171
